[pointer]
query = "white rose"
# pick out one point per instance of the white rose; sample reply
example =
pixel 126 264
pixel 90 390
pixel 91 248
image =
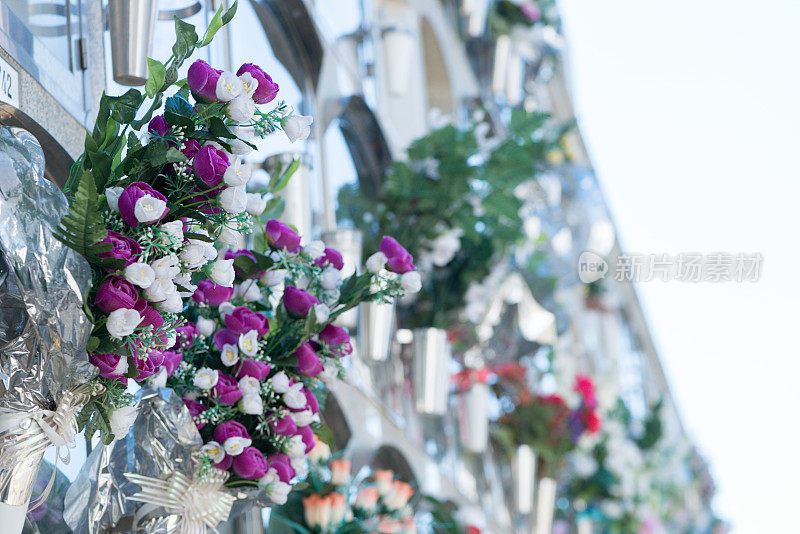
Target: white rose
pixel 329 372
pixel 256 204
pixel 249 291
pixel 445 247
pixel 237 173
pixel 294 397
pixel 411 282
pixel 172 304
pixel 236 445
pixel 233 200
pixel 294 447
pixel 241 109
pixel 140 274
pixel 185 281
pixel 231 238
pixel 214 451
pixel 122 420
pixel 322 313
pixel 206 327
pixel 251 404
pixel 230 355
pixel 279 491
pixel 167 267
pixel 122 322
pixel 297 127
pixel 193 254
pixel 173 233
pixel 280 382
pixel 249 84
pixel 273 277
pixel 300 466
pixel 242 133
pixel 112 197
pixel 222 272
pixel 315 249
pixel 330 278
pixel 225 308
pixel 206 378
pixel 303 418
pixel 160 289
pixel 376 262
pixel 248 343
pixel 249 385
pixel 229 86
pixel 148 209
pixel 159 380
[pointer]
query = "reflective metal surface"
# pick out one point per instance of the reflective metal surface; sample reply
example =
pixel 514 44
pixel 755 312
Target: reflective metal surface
pixel 431 355
pixel 131 24
pixel 523 474
pixel 545 505
pixel 473 417
pixel 375 330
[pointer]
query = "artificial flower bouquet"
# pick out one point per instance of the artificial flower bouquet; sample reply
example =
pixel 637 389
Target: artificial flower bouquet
pixel 452 203
pixel 506 15
pixel 549 424
pixel 335 503
pixel 152 196
pixel 251 354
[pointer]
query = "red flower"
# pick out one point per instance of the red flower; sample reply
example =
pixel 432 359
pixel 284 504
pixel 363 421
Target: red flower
pixel 584 385
pixel 592 422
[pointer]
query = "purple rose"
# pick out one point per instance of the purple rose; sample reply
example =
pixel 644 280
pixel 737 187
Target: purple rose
pixel 114 293
pixel 298 301
pixel 531 11
pixel 226 391
pixel 308 437
pixel 399 260
pixel 242 319
pixel 225 337
pixel 172 360
pixel 337 339
pixel 282 465
pixel 122 248
pixel 109 365
pixel 331 256
pixel 250 464
pixel 190 148
pixel 267 89
pixel 195 409
pixel 230 429
pixel 210 165
pixel 233 254
pixel 128 198
pixel 312 400
pixel 202 79
pixel 212 294
pixel 158 127
pixel 284 426
pixel 151 316
pixel 281 235
pixel 225 463
pixel 256 369
pixel 186 334
pixel 148 365
pixel 308 362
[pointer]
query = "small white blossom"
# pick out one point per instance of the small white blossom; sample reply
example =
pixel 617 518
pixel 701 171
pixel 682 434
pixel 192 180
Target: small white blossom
pixel 206 378
pixel 206 327
pixel 237 173
pixel 322 313
pixel 122 322
pixel 248 343
pixel 280 382
pixel 256 204
pixel 236 445
pixel 251 404
pixel 222 272
pixel 140 274
pixel 376 262
pixel 214 451
pixel 148 209
pixel 122 420
pixel 234 200
pixel 230 355
pixel 229 86
pixel 112 197
pixel 297 127
pixel 241 109
pixel 411 282
pixel 330 278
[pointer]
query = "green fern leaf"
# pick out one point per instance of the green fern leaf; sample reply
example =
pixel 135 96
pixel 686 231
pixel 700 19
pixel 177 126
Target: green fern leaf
pixel 83 226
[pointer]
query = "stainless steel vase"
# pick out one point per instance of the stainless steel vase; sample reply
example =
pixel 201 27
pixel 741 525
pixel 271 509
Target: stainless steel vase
pixel 375 330
pixel 473 417
pixel 431 370
pixel 131 23
pixel 545 505
pixel 523 474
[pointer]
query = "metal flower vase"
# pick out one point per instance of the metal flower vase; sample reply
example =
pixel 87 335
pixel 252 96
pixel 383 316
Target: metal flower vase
pixel 375 330
pixel 523 476
pixel 132 24
pixel 431 366
pixel 545 504
pixel 473 417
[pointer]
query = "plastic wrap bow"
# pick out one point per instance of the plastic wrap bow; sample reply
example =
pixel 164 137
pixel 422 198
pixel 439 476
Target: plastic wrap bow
pixel 200 502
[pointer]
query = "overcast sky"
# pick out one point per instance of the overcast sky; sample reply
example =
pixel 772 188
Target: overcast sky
pixel 690 111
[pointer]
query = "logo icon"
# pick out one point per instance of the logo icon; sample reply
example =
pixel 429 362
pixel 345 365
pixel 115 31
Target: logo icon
pixel 591 267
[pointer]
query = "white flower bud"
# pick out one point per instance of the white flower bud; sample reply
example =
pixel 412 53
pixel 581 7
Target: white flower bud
pixel 112 197
pixel 249 385
pixel 148 209
pixel 231 238
pixel 160 289
pixel 411 282
pixel 243 133
pixel 330 278
pixel 159 380
pixel 185 281
pixel 376 262
pixel 122 420
pixel 172 304
pixel 167 267
pixel 249 84
pixel 280 382
pixel 236 445
pixel 237 173
pixel 229 355
pixel 206 327
pixel 229 86
pixel 122 322
pixel 173 233
pixel 256 204
pixel 297 127
pixel 315 249
pixel 233 200
pixel 206 378
pixel 241 109
pixel 294 447
pixel 140 274
pixel 248 343
pixel 214 451
pixel 222 272
pixel 322 313
pixel 304 418
pixel 251 404
pixel 279 491
pixel 273 277
pixel 294 397
pixel 193 254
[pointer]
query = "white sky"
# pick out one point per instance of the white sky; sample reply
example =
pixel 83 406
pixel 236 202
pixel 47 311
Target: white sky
pixel 690 111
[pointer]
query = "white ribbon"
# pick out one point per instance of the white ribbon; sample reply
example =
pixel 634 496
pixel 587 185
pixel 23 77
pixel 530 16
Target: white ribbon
pixel 25 434
pixel 200 502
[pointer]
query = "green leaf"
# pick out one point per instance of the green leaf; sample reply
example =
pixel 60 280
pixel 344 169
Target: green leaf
pixel 274 209
pixel 158 73
pixel 185 40
pixel 123 108
pixel 226 18
pixel 92 344
pixel 245 266
pixel 279 179
pixel 219 129
pixel 198 237
pixel 179 112
pixel 83 226
pixel 213 27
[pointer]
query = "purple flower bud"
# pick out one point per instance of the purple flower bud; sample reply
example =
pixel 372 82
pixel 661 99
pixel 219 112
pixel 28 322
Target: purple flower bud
pixel 122 248
pixel 172 360
pixel 226 391
pixel 308 362
pixel 190 148
pixel 151 316
pixel 195 408
pixel 332 257
pixel 202 79
pixel 281 235
pixel 250 464
pixel 399 260
pixel 337 339
pixel 109 365
pixel 298 301
pixel 256 369
pixel 148 365
pixel 212 294
pixel 282 465
pixel 128 199
pixel 114 293
pixel 285 426
pixel 242 319
pixel 158 127
pixel 210 165
pixel 308 437
pixel 267 89
pixel 230 429
pixel 186 334
pixel 225 463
